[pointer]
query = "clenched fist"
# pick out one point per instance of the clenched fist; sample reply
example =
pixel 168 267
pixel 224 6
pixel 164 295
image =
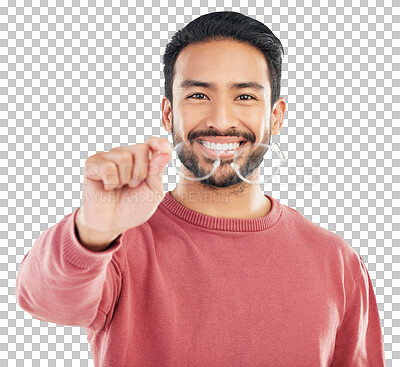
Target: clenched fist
pixel 122 189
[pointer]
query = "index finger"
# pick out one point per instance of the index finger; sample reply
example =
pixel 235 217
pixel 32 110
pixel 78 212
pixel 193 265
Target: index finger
pixel 160 145
pixel 155 145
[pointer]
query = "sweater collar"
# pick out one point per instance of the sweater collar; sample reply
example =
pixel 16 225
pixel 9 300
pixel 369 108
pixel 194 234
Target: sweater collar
pixel 222 224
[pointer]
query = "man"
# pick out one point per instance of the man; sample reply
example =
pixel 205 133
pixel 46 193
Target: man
pixel 214 273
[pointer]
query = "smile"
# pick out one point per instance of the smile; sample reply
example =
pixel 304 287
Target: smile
pixel 225 150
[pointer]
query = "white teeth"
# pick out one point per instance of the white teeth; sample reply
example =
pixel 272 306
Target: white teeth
pixel 219 146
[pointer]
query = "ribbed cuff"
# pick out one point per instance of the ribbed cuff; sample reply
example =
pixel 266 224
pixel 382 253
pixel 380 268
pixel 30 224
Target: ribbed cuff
pixel 75 253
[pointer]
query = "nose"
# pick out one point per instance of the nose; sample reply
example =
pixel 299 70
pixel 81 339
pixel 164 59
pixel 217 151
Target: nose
pixel 222 116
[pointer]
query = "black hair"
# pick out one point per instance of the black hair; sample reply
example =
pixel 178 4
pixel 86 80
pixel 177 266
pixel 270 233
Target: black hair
pixel 228 25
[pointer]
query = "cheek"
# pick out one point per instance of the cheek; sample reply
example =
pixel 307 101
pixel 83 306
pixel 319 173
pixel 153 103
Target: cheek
pixel 183 122
pixel 260 129
pixel 191 107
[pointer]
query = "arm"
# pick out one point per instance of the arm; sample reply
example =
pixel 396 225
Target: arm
pixel 61 281
pixel 359 340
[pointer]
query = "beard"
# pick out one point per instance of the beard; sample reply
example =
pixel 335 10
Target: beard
pixel 224 176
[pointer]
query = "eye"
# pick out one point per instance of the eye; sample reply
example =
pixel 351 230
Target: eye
pixel 246 95
pixel 243 95
pixel 197 94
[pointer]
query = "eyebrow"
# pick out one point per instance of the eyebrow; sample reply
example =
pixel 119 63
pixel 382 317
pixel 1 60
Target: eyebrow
pixel 197 83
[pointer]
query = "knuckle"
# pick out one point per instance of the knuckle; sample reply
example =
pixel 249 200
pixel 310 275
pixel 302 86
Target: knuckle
pixel 116 149
pixel 141 146
pixel 108 168
pixel 111 176
pixel 91 166
pixel 125 156
pixel 126 174
pixel 125 166
pixel 140 171
pixel 90 159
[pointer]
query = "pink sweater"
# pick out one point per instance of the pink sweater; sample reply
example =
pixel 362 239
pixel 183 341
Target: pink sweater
pixel 187 289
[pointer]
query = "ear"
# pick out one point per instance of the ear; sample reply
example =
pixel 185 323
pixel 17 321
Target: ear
pixel 166 114
pixel 278 111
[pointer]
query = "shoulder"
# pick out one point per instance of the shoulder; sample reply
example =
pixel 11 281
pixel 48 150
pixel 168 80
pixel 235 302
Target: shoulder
pixel 315 238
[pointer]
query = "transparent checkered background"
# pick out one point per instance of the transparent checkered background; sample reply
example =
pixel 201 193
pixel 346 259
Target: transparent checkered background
pixel 79 77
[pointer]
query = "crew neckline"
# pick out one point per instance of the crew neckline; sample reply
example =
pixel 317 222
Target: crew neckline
pixel 223 224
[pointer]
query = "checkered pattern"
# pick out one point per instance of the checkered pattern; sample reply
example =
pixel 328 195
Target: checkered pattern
pixel 78 77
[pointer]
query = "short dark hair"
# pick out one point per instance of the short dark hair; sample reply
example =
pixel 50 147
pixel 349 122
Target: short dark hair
pixel 228 25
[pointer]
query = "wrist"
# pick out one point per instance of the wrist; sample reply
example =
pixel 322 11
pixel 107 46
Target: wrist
pixel 91 239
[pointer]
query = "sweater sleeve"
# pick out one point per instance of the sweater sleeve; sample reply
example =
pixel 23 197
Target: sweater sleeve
pixel 359 340
pixel 61 281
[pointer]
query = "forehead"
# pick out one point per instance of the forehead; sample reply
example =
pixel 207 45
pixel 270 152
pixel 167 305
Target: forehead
pixel 223 62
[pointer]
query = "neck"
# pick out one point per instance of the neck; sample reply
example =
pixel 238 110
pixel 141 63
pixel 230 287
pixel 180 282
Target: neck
pixel 241 201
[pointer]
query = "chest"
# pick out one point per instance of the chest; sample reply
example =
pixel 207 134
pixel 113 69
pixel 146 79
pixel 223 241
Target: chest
pixel 245 310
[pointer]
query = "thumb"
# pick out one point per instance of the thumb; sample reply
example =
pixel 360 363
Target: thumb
pixel 156 169
pixel 158 163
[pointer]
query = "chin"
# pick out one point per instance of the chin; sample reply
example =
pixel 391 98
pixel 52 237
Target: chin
pixel 212 183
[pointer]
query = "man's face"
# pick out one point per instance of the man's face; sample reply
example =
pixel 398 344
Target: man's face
pixel 220 113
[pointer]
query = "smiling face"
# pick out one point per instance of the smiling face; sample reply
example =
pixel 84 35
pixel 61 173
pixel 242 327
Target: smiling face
pixel 221 94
